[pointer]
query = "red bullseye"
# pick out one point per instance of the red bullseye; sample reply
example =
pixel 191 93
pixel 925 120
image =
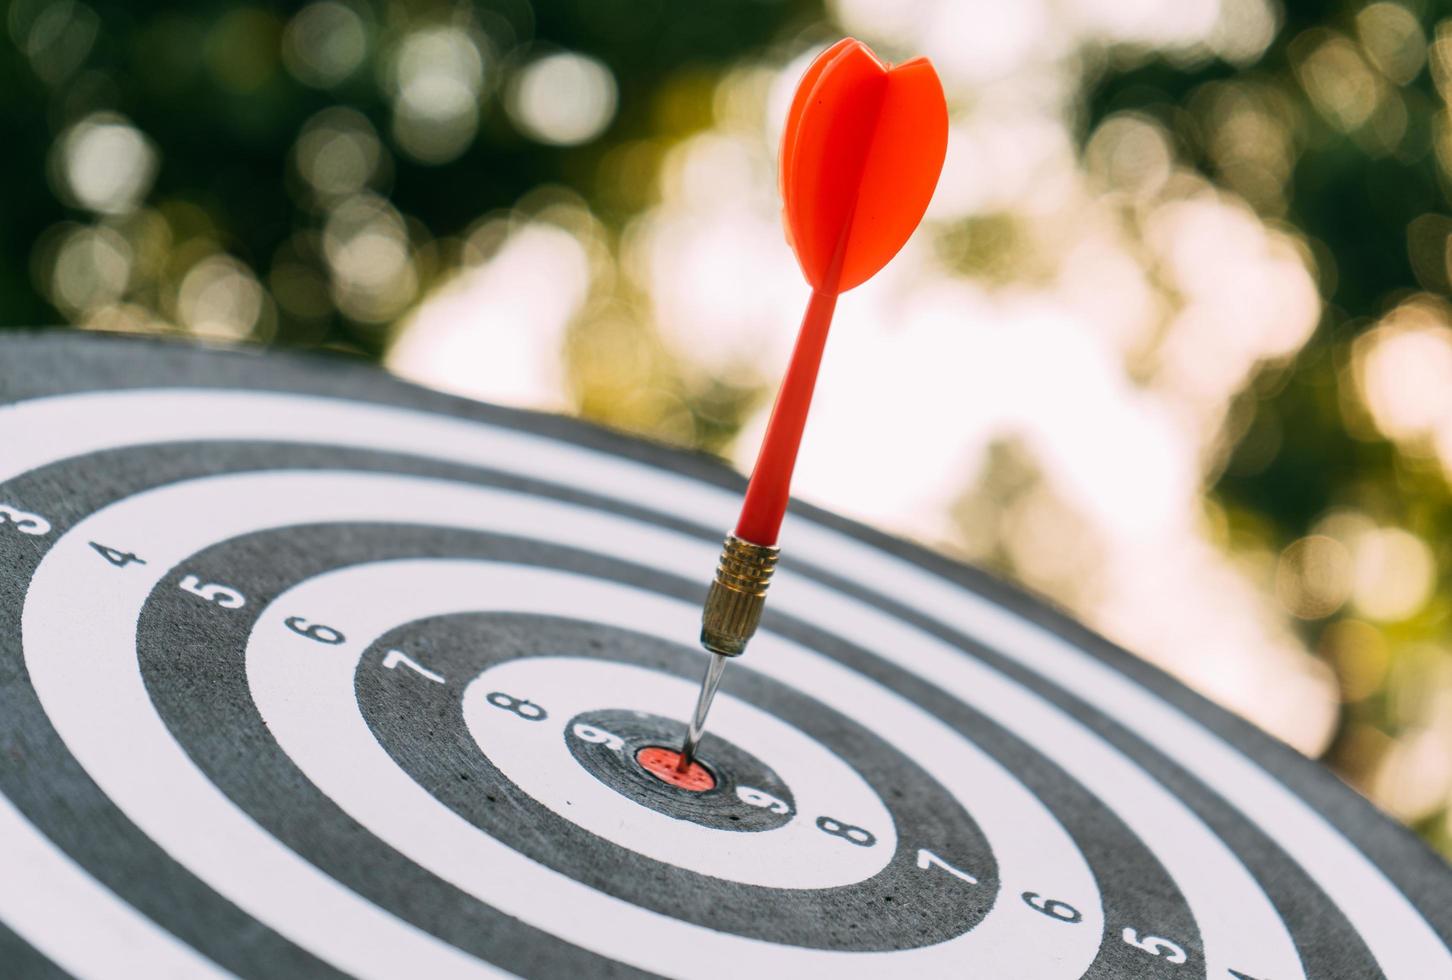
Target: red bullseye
pixel 661 763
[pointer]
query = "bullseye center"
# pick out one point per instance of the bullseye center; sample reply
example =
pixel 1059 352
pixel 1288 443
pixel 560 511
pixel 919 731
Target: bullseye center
pixel 662 764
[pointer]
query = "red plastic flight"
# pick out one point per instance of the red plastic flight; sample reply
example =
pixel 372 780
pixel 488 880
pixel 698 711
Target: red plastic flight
pixel 860 157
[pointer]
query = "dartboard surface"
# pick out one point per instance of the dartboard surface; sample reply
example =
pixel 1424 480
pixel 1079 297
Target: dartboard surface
pixel 308 672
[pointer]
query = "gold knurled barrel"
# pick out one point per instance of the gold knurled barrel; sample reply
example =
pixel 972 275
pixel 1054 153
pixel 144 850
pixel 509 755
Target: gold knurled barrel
pixel 738 593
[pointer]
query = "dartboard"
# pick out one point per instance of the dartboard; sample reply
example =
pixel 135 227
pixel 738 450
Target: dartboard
pixel 305 671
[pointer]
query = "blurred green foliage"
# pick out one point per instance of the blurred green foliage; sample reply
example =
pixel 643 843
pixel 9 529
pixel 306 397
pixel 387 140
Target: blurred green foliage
pixel 209 84
pixel 1372 200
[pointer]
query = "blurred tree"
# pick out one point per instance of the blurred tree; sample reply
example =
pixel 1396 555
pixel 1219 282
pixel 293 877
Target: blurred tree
pixel 1356 158
pixel 141 140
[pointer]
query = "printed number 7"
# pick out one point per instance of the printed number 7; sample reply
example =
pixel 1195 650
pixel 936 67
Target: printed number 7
pixel 927 859
pixel 396 657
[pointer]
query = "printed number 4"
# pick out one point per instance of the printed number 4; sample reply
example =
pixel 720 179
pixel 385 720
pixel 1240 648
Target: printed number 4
pixel 116 556
pixel 1156 946
pixel 927 859
pixel 396 657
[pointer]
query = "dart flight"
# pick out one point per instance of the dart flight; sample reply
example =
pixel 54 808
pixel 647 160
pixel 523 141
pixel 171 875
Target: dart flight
pixel 860 156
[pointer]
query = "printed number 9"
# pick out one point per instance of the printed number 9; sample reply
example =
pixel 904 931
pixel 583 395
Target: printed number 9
pixel 589 733
pixel 1053 908
pixel 755 797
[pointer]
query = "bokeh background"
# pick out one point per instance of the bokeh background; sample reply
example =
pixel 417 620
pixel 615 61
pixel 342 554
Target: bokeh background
pixel 1173 346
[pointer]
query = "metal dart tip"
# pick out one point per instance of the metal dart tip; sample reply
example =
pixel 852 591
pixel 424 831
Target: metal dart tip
pixel 709 683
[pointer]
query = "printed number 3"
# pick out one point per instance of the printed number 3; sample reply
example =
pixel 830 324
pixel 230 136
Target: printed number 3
pixel 25 522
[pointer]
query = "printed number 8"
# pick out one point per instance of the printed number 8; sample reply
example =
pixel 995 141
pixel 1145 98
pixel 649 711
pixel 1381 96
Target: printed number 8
pixel 857 835
pixel 527 710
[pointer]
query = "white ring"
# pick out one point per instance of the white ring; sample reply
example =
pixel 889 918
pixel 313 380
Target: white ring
pixel 52 900
pixel 258 500
pixel 42 431
pixel 327 737
pixel 536 757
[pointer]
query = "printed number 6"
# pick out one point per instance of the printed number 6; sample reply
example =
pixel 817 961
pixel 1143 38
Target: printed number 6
pixel 314 631
pixel 224 596
pixel 1155 946
pixel 1053 908
pixel 25 522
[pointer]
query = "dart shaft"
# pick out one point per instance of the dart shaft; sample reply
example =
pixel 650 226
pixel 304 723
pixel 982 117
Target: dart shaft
pixel 771 478
pixel 709 684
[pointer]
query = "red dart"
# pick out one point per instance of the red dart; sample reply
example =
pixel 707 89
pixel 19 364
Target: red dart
pixel 860 156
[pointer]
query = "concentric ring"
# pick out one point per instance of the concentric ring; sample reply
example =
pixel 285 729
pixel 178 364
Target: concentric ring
pixel 1137 726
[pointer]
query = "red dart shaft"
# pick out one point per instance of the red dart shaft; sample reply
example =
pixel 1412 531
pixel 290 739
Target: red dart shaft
pixel 771 479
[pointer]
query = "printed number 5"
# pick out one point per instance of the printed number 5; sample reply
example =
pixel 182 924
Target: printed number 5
pixel 25 522
pixel 222 595
pixel 1155 946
